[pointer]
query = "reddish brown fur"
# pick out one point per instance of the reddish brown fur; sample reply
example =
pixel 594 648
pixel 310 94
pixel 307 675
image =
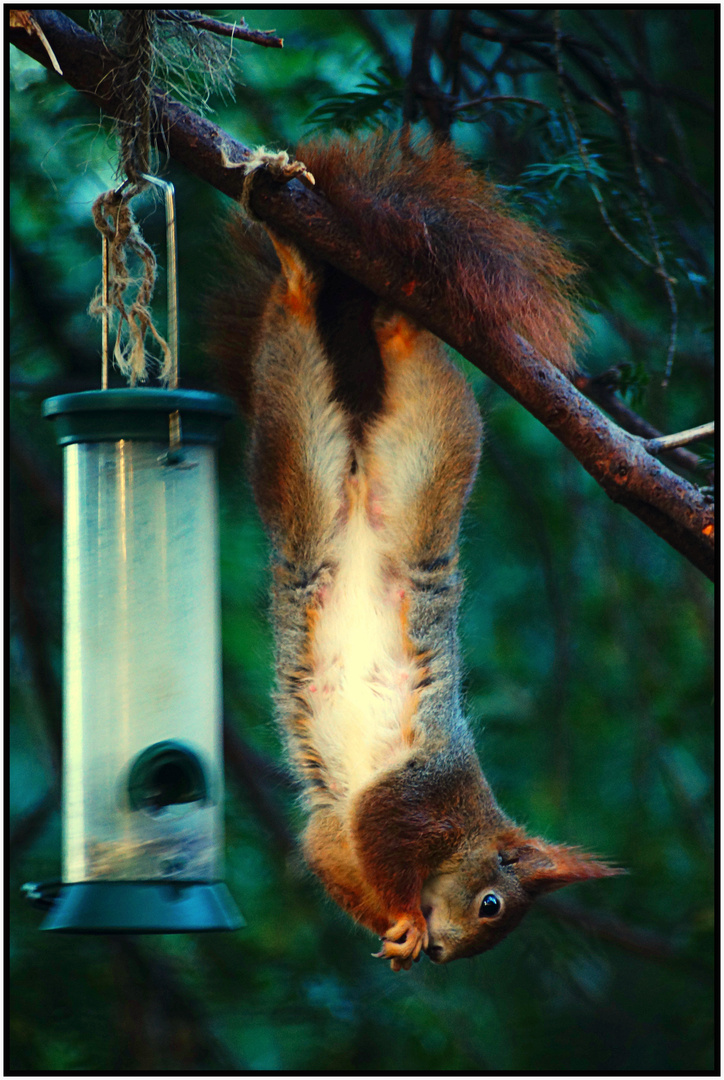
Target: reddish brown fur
pixel 410 853
pixel 398 850
pixel 448 221
pixel 434 524
pixel 445 219
pixel 328 852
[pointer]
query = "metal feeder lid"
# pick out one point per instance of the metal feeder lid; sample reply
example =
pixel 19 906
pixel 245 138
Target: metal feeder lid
pixel 137 413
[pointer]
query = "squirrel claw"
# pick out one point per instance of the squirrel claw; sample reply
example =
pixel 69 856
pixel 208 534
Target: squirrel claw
pixel 278 164
pixel 403 943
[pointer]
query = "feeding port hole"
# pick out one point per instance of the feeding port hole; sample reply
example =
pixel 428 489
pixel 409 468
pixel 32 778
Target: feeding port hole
pixel 164 775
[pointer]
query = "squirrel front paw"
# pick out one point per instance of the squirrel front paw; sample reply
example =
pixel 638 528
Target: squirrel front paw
pixel 403 942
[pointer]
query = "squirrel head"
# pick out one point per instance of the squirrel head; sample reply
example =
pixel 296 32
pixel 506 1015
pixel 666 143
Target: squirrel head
pixel 473 901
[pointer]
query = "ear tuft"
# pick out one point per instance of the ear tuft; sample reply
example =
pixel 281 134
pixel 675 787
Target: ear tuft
pixel 542 867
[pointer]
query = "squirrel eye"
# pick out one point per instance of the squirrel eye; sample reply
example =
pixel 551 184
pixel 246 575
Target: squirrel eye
pixel 490 906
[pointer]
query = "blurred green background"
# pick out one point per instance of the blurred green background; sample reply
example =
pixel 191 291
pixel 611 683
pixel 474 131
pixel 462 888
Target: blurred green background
pixel 588 642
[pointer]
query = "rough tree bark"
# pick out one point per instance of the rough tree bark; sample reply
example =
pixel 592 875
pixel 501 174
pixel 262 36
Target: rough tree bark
pixel 674 508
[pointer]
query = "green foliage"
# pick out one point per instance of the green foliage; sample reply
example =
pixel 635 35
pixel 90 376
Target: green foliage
pixel 375 101
pixel 552 174
pixel 587 642
pixel 632 382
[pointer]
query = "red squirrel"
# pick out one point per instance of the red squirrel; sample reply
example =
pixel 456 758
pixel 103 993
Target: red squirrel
pixel 365 440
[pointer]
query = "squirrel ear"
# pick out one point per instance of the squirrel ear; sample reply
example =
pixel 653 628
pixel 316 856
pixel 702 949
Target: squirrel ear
pixel 542 867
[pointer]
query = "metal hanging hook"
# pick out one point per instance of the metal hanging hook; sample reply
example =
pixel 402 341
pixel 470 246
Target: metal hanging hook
pixel 174 420
pixel 104 313
pixel 171 266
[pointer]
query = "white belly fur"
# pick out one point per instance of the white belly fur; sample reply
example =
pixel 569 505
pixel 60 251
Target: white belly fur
pixel 363 673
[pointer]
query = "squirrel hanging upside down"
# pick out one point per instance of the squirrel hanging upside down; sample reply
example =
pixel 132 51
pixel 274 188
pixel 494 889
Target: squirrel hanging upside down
pixel 365 441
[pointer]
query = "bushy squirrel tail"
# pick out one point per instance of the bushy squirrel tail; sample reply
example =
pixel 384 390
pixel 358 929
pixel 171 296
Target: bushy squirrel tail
pixel 450 223
pixel 447 222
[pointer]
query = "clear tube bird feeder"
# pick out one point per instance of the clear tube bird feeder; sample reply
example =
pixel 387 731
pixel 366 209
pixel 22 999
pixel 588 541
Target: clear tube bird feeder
pixel 142 755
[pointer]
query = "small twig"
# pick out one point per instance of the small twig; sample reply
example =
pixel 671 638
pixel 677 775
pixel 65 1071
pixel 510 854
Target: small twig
pixel 35 639
pixel 46 489
pixel 453 51
pixel 689 809
pixel 259 780
pixel 420 85
pixel 24 20
pixel 487 100
pixel 644 202
pixel 682 438
pixel 544 58
pixel 376 36
pixel 584 156
pixel 602 389
pixel 528 43
pixel 25 829
pixel 160 1021
pixel 233 30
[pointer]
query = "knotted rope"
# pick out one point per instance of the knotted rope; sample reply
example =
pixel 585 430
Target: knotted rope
pixel 113 216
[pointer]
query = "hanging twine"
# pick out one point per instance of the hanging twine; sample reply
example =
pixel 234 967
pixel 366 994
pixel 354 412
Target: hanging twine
pixel 136 34
pixel 114 220
pixel 113 215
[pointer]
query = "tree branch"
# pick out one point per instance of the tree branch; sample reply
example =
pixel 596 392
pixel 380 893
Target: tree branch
pixel 213 26
pixel 602 389
pixel 675 509
pixel 682 438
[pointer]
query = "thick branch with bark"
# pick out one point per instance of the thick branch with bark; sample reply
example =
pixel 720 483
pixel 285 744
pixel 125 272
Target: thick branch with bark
pixel 675 509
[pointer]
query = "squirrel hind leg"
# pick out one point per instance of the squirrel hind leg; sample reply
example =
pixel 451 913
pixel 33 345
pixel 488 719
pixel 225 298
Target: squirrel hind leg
pixel 276 164
pixel 296 271
pixel 424 446
pixel 301 284
pixel 301 445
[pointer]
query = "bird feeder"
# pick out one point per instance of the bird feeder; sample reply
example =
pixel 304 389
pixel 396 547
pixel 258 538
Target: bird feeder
pixel 142 753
